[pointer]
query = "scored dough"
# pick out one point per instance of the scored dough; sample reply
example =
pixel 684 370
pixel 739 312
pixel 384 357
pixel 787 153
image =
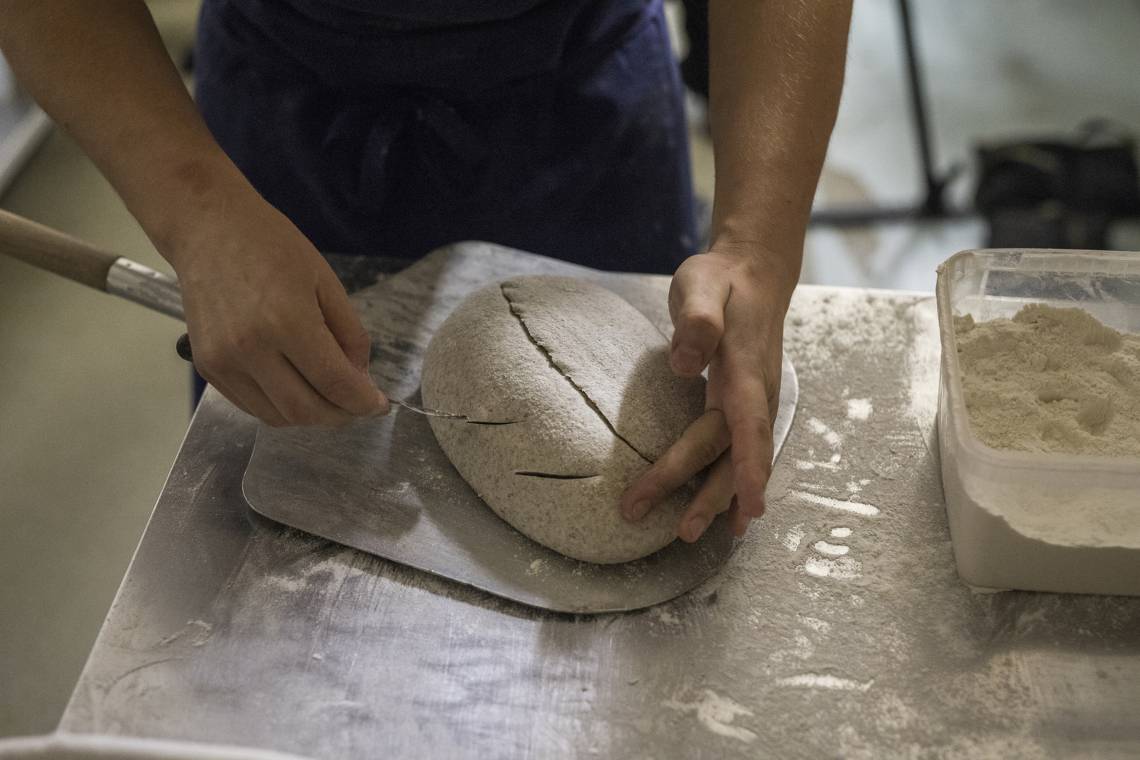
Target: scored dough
pixel 585 379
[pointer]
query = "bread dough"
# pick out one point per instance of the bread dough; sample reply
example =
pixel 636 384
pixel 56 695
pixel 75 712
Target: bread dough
pixel 583 381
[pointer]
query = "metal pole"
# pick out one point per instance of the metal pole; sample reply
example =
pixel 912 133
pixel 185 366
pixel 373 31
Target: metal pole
pixel 932 204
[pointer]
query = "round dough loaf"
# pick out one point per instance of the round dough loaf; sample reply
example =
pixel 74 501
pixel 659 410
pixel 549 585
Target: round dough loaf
pixel 584 379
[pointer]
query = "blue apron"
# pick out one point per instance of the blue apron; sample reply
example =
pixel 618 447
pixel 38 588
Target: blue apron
pixel 391 127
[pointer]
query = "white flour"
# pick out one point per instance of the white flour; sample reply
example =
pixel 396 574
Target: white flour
pixel 1051 380
pixel 859 408
pixel 1046 381
pixel 716 714
pixel 825 681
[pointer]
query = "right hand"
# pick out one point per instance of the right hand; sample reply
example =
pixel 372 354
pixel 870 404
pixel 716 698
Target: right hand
pixel 272 327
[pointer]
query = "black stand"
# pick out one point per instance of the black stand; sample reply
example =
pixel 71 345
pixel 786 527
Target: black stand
pixel 933 204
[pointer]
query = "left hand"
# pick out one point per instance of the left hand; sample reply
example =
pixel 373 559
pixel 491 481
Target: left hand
pixel 728 314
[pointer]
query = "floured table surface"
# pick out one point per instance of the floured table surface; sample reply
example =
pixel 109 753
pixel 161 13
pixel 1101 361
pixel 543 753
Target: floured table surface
pixel 384 485
pixel 838 628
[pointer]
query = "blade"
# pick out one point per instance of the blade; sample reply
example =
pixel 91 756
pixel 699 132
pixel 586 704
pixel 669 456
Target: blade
pixel 447 415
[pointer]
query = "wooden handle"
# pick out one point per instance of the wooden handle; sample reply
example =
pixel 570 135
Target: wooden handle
pixel 54 251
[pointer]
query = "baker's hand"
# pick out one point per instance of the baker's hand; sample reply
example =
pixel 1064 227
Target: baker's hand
pixel 728 314
pixel 272 327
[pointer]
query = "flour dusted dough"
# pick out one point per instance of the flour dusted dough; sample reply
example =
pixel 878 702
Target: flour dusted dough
pixel 587 379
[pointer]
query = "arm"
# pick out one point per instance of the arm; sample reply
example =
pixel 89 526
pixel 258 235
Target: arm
pixel 290 350
pixel 101 71
pixel 776 76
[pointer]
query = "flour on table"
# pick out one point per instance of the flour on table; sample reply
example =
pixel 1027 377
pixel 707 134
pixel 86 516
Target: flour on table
pixel 859 409
pixel 664 616
pixel 830 549
pixel 716 714
pixel 792 538
pixel 843 568
pixel 825 681
pixel 1051 380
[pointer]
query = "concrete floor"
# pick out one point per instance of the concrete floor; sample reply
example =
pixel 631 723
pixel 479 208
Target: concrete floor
pixel 94 401
pixel 1016 68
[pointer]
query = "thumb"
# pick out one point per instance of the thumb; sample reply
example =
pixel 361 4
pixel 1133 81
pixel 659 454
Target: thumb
pixel 697 306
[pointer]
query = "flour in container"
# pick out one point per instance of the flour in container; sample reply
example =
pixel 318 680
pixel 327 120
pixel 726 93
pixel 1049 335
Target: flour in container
pixel 1051 380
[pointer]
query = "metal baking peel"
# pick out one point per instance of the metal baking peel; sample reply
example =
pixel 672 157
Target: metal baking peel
pixel 385 486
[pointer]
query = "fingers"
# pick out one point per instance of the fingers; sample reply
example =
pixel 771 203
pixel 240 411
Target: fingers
pixel 698 447
pixel 232 397
pixel 296 401
pixel 713 497
pixel 325 366
pixel 279 396
pixel 737 520
pixel 343 321
pixel 697 306
pixel 245 394
pixel 727 315
pixel 747 415
pixel 311 381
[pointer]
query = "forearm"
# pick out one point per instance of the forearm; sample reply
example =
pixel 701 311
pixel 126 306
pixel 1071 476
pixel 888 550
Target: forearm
pixel 101 71
pixel 776 76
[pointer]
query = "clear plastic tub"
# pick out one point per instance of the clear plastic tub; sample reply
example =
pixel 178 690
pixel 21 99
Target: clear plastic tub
pixel 1018 520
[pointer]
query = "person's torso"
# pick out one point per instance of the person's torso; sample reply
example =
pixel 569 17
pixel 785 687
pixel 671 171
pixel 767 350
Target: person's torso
pixel 467 46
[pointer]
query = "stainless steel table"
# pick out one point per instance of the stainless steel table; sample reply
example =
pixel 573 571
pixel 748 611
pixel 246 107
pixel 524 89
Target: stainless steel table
pixel 839 628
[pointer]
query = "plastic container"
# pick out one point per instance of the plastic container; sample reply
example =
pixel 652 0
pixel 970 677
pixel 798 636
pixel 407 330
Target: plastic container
pixel 1019 520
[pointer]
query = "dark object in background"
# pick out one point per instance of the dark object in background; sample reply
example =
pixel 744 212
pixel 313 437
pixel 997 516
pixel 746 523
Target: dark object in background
pixel 931 203
pixel 695 67
pixel 1058 193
